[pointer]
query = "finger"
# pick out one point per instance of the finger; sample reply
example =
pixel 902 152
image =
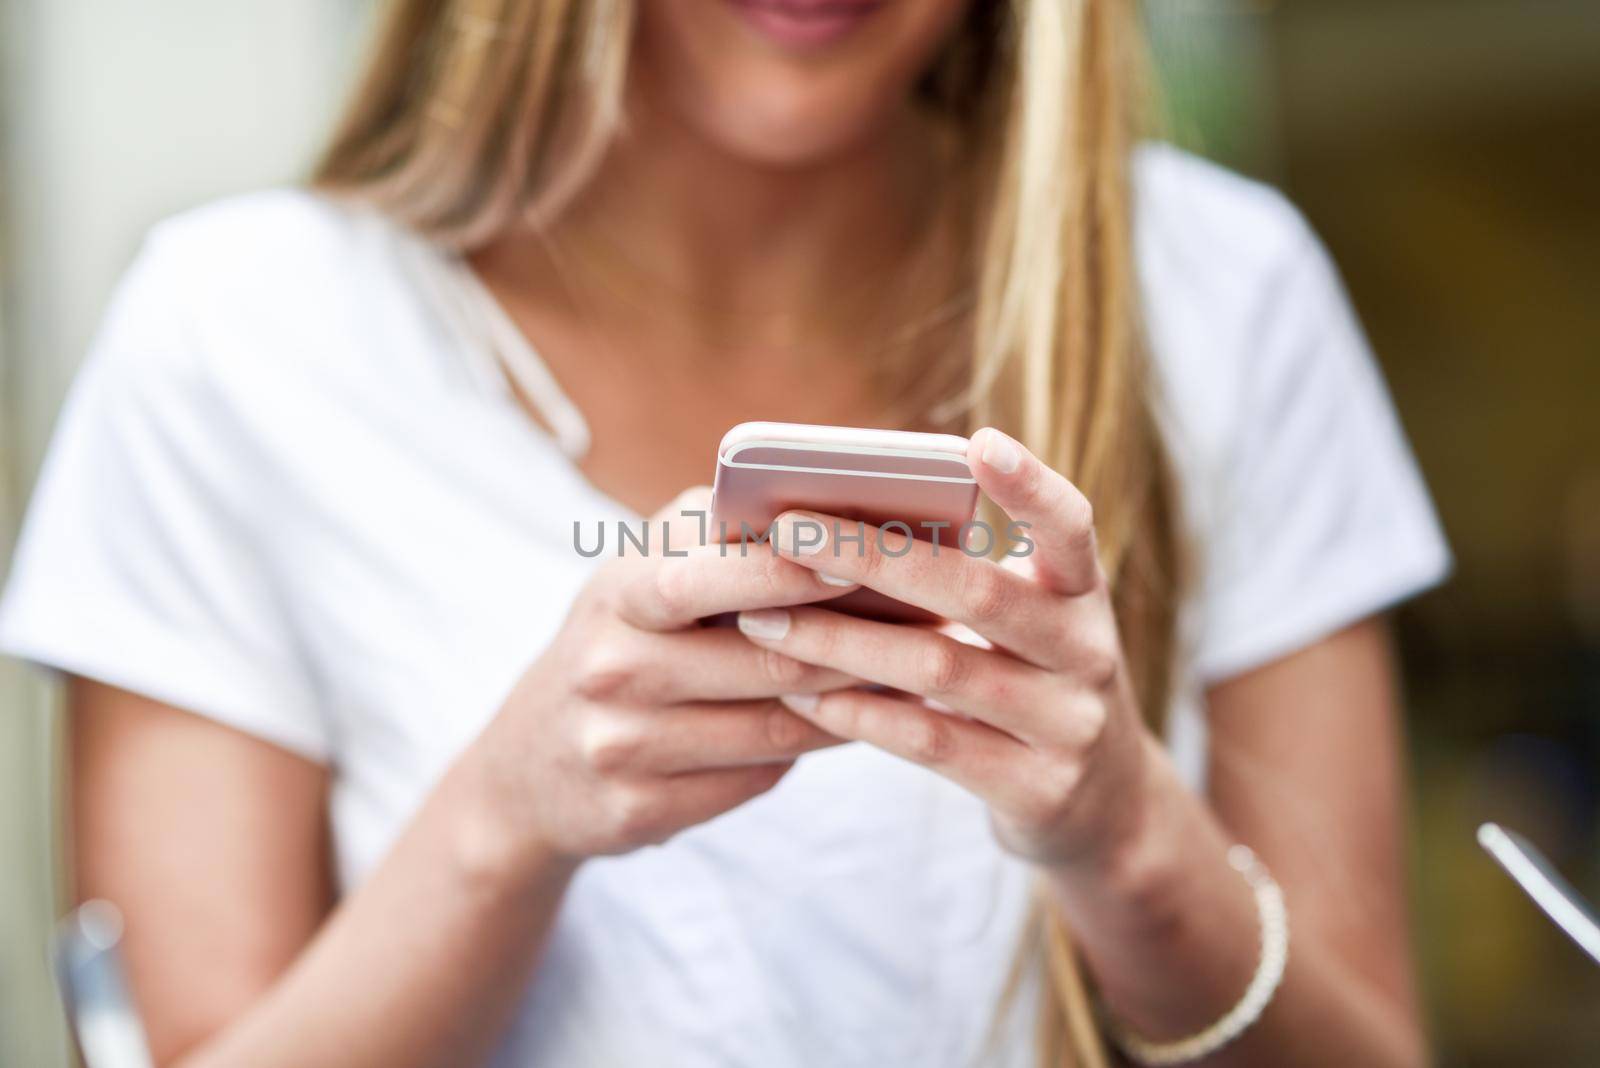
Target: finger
pixel 701 795
pixel 686 510
pixel 658 809
pixel 1009 609
pixel 1059 520
pixel 703 664
pixel 672 592
pixel 990 686
pixel 972 755
pixel 687 738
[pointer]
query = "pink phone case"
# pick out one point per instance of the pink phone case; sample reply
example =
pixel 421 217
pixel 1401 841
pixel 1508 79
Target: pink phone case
pixel 876 476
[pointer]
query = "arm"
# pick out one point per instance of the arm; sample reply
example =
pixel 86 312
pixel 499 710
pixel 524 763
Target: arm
pixel 1305 769
pixel 635 724
pixel 1338 850
pixel 214 844
pixel 1051 737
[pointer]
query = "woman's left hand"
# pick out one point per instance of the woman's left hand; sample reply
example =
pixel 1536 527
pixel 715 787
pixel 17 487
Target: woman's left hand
pixel 1047 731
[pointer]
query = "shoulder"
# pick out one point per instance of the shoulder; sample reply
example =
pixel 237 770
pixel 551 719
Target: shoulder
pixel 1298 481
pixel 283 282
pixel 1253 342
pixel 1238 294
pixel 269 219
pixel 265 321
pixel 1191 212
pixel 266 246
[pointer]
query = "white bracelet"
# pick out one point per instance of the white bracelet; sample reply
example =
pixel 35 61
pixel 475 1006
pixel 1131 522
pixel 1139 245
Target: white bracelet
pixel 1257 996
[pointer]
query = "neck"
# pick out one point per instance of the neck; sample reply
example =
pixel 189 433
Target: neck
pixel 734 252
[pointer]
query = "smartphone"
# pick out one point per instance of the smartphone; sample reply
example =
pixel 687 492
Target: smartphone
pixel 877 477
pixel 1539 879
pixel 94 989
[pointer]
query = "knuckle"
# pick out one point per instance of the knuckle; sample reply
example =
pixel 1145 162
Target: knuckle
pixel 1059 630
pixel 1059 786
pixel 821 638
pixel 1000 686
pixel 672 589
pixel 927 740
pixel 639 817
pixel 1061 782
pixel 607 747
pixel 1100 662
pixel 784 731
pixel 1048 801
pixel 1080 522
pixel 841 714
pixel 774 577
pixel 1089 720
pixel 785 673
pixel 1031 483
pixel 945 667
pixel 988 594
pixel 604 670
pixel 870 557
pixel 1080 513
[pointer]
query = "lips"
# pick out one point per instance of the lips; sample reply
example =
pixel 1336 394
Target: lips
pixel 803 24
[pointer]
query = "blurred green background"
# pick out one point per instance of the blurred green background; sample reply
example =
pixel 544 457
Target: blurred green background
pixel 1447 150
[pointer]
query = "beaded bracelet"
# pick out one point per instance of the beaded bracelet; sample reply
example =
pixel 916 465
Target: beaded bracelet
pixel 1258 995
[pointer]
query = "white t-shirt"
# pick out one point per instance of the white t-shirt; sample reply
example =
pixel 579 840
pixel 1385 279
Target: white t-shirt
pixel 290 491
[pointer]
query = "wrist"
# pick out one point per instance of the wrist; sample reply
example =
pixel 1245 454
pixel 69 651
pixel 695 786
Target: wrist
pixel 1135 872
pixel 495 847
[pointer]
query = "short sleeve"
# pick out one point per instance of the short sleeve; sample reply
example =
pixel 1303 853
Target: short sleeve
pixel 140 563
pixel 1323 518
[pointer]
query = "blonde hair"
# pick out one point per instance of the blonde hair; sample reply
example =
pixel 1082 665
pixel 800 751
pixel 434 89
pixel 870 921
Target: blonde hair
pixel 475 115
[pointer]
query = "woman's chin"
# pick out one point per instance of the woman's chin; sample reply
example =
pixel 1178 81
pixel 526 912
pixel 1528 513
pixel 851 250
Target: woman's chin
pixel 748 77
pixel 777 150
pixel 792 138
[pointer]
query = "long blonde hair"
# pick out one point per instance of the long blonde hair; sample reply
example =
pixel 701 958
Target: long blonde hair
pixel 474 115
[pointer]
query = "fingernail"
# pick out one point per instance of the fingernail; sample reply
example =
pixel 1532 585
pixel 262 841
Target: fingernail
pixel 801 536
pixel 799 703
pixel 830 580
pixel 1000 452
pixel 768 623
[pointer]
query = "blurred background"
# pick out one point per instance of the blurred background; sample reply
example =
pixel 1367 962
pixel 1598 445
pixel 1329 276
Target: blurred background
pixel 1447 150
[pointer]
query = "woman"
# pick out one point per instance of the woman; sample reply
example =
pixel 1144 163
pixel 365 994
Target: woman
pixel 370 756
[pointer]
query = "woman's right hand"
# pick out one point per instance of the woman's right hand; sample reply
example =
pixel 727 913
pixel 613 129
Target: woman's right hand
pixel 638 722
